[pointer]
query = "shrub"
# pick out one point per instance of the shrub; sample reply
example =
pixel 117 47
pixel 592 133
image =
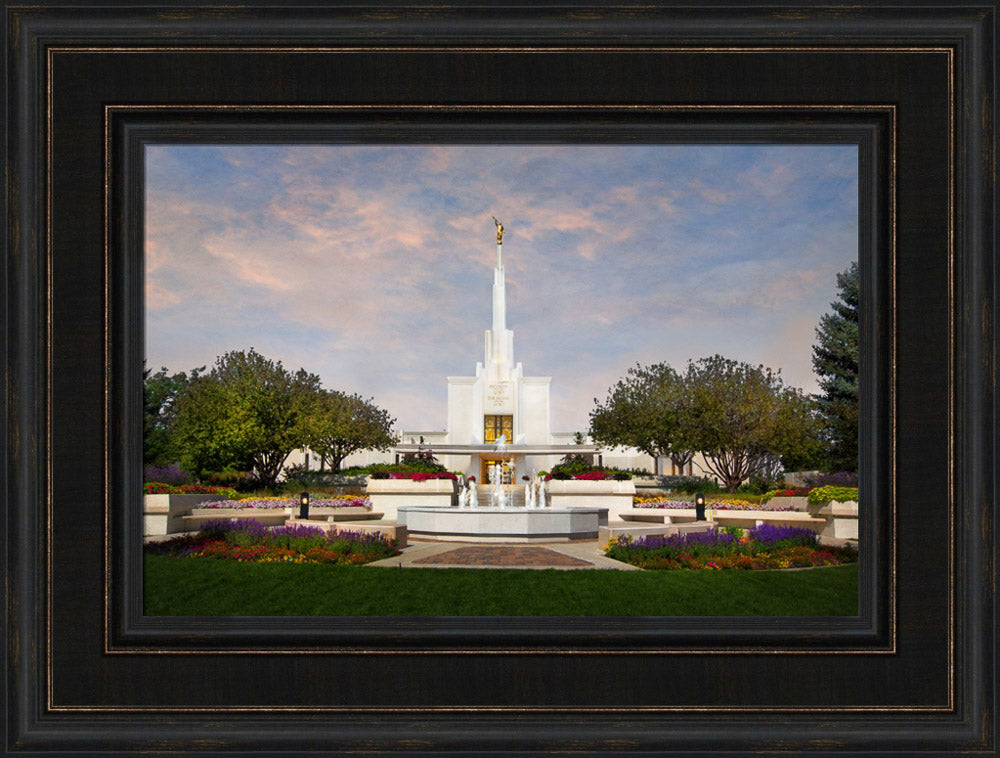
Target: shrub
pixel 241 481
pixel 161 488
pixel 166 474
pixel 758 485
pixel 422 476
pixel 838 479
pixel 830 493
pixel 578 466
pixel 787 492
pixel 423 462
pixel 688 484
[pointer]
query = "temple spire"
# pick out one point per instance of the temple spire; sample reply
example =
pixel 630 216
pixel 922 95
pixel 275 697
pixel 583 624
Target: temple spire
pixel 499 340
pixel 499 289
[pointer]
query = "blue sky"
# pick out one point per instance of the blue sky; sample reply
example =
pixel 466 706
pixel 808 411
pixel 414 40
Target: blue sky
pixel 371 266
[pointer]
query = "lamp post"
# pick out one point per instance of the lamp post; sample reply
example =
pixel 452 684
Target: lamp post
pixel 304 505
pixel 699 507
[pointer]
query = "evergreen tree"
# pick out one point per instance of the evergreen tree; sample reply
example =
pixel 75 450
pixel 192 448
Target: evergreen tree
pixel 835 361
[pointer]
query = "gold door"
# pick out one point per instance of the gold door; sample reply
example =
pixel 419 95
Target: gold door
pixel 495 426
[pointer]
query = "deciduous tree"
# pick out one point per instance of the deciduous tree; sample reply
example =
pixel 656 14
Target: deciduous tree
pixel 340 424
pixel 648 409
pixel 247 412
pixel 743 418
pixel 160 393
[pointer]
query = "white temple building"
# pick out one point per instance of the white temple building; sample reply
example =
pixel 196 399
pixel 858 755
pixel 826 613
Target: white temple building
pixel 499 416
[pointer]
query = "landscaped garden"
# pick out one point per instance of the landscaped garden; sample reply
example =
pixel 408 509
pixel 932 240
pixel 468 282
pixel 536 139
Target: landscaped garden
pixel 245 568
pixel 251 541
pixel 765 546
pixel 277 503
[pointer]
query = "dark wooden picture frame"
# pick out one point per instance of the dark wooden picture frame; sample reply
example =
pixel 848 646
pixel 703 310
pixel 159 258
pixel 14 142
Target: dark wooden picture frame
pixel 86 671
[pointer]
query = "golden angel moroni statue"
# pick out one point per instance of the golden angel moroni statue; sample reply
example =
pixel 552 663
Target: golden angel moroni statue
pixel 499 230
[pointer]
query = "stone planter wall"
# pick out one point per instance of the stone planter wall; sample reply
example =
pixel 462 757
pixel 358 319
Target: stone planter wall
pixel 798 503
pixel 164 514
pixel 612 494
pixel 387 495
pixel 274 516
pixel 267 516
pixel 841 519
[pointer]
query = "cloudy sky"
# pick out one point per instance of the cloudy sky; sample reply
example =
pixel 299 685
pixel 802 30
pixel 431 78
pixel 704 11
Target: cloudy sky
pixel 371 266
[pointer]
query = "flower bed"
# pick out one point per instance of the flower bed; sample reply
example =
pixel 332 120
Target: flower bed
pixel 271 503
pixel 162 488
pixel 596 475
pixel 717 505
pixel 422 476
pixel 251 541
pixel 761 547
pixel 831 493
pixel 788 492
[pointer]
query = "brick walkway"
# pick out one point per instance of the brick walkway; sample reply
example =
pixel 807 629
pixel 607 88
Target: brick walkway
pixel 502 555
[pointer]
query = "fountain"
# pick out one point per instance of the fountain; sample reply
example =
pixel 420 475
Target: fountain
pixel 499 521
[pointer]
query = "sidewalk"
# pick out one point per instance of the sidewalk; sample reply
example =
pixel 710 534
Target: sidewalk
pixel 549 555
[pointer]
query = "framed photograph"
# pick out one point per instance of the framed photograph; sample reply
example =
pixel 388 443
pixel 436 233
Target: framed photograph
pixel 99 97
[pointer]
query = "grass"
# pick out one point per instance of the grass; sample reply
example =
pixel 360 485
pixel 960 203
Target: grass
pixel 210 587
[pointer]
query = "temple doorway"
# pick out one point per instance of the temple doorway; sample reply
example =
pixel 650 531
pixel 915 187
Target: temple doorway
pixel 507 470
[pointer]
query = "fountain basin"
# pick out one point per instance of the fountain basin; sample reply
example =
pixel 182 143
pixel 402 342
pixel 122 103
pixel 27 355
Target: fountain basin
pixel 502 524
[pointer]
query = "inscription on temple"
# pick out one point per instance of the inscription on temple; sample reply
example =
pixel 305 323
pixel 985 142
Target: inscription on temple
pixel 498 396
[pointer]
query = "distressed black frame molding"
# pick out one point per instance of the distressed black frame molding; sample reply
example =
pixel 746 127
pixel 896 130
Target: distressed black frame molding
pixel 130 129
pixel 88 85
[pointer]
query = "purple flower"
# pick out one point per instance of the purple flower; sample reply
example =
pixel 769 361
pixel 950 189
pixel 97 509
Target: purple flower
pixel 772 533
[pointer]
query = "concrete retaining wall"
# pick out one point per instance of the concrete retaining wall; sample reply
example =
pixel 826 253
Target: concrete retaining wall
pixel 164 514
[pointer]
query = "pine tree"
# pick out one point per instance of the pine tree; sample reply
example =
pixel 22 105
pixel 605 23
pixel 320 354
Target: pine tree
pixel 835 361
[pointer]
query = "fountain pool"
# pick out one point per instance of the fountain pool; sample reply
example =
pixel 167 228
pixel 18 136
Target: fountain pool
pixel 488 524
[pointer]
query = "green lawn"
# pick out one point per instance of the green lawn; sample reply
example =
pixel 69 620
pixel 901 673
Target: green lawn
pixel 211 587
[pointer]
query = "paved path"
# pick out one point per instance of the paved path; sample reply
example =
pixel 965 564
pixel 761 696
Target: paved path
pixel 554 555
